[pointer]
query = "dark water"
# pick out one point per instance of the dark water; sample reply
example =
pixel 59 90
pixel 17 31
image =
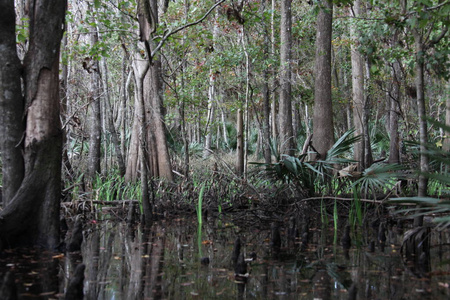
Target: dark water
pixel 165 262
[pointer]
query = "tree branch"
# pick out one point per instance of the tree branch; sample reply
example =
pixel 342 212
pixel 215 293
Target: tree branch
pixel 438 38
pixel 437 6
pixel 172 32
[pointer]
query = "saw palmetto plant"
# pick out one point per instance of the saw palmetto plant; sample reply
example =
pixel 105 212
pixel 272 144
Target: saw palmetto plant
pixel 437 206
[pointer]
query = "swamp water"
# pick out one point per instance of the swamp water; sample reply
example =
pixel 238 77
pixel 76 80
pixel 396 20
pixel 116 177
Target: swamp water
pixel 179 260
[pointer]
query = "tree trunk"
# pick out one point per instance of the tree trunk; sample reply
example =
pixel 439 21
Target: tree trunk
pixel 139 69
pixel 32 215
pixel 240 143
pixel 210 116
pixel 184 136
pixel 423 135
pixel 394 111
pixel 446 144
pixel 274 123
pixel 285 113
pixel 211 100
pixel 126 80
pixel 368 157
pixel 146 204
pixel 110 122
pixel 323 129
pixel 266 92
pixel 357 88
pixel 148 20
pixel 95 128
pixel 153 101
pixel 11 105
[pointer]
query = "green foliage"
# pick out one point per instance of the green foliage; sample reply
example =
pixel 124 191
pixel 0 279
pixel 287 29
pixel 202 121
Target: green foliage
pixel 308 177
pixel 356 211
pixel 114 187
pixel 200 204
pixel 337 153
pixel 378 178
pixel 441 181
pixel 22 30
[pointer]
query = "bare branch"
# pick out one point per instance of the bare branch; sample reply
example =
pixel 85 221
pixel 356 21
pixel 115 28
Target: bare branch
pixel 172 32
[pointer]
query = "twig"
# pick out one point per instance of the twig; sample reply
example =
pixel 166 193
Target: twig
pixel 169 33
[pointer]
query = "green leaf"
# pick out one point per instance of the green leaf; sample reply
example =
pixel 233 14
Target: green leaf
pixel 21 38
pixel 291 165
pixel 373 69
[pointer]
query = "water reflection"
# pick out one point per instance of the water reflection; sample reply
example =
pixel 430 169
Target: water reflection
pixel 167 261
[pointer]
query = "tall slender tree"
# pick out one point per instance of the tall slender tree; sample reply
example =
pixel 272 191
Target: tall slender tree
pixel 357 86
pixel 423 41
pixel 95 118
pixel 265 90
pixel 285 114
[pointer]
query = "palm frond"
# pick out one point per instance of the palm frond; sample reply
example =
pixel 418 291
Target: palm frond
pixel 378 177
pixel 342 146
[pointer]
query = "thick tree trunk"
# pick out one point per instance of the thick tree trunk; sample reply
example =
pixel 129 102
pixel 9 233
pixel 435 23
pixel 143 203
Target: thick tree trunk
pixel 148 17
pixel 285 113
pixel 153 101
pixel 11 105
pixel 32 215
pixel 146 204
pixel 140 68
pixel 323 129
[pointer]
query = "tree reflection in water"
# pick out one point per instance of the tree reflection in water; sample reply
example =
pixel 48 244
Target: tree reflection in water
pixel 164 262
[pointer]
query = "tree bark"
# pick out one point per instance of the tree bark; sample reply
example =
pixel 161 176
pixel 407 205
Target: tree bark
pixel 240 143
pixel 110 122
pixel 153 99
pixel 95 128
pixel 323 129
pixel 394 111
pixel 143 158
pixel 446 144
pixel 274 123
pixel 32 215
pixel 357 88
pixel 285 113
pixel 266 92
pixel 421 109
pixel 211 100
pixel 140 68
pixel 154 104
pixel 11 105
